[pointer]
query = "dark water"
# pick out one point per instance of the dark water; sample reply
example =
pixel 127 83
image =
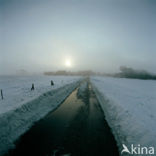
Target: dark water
pixel 76 128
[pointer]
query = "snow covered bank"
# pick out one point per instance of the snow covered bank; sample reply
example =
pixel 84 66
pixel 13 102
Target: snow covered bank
pixel 20 118
pixel 129 107
pixel 17 89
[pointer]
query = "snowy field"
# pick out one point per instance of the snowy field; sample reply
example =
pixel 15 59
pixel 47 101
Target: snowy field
pixel 21 107
pixel 17 89
pixel 130 109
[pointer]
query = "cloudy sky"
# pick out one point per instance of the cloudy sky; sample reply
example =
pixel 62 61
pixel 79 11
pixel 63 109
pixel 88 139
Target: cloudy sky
pixel 100 35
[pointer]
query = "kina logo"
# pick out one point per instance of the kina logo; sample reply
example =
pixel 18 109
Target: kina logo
pixel 143 150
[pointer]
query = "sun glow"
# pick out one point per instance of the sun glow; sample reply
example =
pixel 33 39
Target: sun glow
pixel 68 63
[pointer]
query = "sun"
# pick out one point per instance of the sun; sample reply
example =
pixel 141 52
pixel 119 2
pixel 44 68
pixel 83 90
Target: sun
pixel 68 63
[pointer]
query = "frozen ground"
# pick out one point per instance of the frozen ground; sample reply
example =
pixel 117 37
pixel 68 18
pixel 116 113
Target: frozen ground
pixel 17 89
pixel 130 109
pixel 21 107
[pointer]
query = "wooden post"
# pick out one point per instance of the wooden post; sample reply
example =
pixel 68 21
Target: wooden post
pixel 2 94
pixel 32 88
pixel 52 83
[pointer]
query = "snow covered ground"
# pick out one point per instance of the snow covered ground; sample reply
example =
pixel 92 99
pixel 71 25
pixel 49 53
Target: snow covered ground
pixel 130 109
pixel 17 89
pixel 21 107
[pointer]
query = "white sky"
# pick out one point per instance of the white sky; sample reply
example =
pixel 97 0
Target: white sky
pixel 99 35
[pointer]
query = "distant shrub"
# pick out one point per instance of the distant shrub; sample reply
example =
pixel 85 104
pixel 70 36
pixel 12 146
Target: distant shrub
pixel 127 72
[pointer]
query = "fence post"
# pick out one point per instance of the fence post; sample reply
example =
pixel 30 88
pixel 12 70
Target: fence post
pixel 52 83
pixel 32 88
pixel 2 94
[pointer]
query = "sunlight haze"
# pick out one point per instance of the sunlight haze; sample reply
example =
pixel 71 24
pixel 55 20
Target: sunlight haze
pixel 98 35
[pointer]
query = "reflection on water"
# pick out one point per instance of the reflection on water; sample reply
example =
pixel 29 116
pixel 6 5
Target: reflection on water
pixel 67 110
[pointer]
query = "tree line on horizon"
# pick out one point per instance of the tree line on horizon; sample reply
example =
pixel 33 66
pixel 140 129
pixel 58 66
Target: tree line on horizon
pixel 64 72
pixel 125 72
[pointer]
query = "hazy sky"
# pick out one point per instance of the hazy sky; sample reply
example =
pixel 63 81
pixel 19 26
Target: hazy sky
pixel 101 35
